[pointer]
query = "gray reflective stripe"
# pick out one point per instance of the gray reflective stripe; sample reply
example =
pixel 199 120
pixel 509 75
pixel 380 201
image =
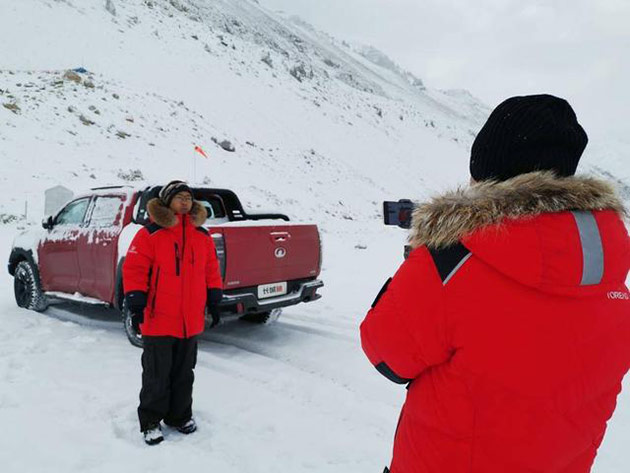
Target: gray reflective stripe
pixel 456 268
pixel 592 249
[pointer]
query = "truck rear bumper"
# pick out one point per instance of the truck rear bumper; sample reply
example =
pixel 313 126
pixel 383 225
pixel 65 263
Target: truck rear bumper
pixel 248 302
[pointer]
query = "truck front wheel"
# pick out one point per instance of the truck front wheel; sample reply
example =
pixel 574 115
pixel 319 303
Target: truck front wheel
pixel 27 288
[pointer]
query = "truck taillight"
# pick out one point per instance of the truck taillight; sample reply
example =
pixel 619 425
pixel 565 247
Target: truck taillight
pixel 219 244
pixel 321 250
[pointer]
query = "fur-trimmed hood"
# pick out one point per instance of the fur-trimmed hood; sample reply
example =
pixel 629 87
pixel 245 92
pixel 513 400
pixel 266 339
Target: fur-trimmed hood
pixel 165 217
pixel 446 219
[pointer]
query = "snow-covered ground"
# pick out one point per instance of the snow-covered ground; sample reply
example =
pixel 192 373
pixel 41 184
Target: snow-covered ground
pixel 323 130
pixel 294 396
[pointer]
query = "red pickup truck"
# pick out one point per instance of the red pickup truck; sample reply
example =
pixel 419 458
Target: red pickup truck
pixel 79 253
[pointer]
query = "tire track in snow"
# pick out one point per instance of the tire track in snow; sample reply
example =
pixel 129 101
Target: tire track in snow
pixel 332 359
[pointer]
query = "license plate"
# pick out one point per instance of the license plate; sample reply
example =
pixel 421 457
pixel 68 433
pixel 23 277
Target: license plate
pixel 272 290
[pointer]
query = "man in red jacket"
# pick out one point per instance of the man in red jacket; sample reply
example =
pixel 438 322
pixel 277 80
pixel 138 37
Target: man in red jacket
pixel 171 273
pixel 510 320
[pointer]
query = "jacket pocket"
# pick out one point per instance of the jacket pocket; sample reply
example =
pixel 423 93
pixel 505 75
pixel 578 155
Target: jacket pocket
pixel 155 291
pixel 176 259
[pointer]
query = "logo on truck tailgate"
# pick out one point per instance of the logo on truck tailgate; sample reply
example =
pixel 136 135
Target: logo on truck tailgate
pixel 280 252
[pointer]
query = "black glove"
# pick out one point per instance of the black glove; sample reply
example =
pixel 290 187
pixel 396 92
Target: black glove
pixel 136 302
pixel 212 302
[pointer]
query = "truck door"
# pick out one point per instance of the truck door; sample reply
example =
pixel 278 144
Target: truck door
pixel 99 250
pixel 57 252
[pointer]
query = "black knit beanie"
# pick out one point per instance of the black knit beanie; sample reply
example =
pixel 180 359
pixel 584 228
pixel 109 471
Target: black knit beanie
pixel 171 189
pixel 526 134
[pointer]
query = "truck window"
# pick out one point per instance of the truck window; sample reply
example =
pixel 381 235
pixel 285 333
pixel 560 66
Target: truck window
pixel 107 211
pixel 214 206
pixel 73 213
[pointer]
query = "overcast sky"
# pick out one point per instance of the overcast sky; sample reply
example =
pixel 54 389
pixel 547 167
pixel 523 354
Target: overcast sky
pixel 577 49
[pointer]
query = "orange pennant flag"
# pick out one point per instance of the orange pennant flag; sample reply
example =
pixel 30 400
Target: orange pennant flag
pixel 199 150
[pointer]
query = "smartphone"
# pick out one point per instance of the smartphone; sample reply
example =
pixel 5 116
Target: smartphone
pixel 398 213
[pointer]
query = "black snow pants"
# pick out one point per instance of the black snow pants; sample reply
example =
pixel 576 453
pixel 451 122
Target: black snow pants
pixel 167 381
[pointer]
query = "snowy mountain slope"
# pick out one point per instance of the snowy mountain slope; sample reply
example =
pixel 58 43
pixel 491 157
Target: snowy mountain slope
pixel 302 111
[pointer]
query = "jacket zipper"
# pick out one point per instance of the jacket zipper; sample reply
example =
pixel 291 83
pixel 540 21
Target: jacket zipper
pixel 176 259
pixel 183 253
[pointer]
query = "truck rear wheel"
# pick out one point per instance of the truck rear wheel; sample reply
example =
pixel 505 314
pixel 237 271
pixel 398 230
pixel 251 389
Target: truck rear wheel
pixel 27 287
pixel 262 317
pixel 135 338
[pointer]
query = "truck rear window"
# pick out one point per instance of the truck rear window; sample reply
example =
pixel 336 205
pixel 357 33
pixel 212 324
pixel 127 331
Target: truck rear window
pixel 214 206
pixel 212 202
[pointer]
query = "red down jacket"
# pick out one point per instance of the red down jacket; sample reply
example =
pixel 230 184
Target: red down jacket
pixel 174 261
pixel 511 321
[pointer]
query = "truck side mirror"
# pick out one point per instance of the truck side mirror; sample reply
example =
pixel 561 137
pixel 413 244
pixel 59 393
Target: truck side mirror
pixel 48 222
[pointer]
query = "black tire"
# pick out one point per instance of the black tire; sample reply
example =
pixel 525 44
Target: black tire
pixel 265 318
pixel 135 338
pixel 27 287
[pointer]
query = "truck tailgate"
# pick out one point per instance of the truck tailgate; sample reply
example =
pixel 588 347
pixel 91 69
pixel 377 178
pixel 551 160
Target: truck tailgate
pixel 268 254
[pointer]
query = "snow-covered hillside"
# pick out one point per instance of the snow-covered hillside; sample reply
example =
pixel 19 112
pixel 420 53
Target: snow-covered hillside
pixel 304 111
pixel 322 130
